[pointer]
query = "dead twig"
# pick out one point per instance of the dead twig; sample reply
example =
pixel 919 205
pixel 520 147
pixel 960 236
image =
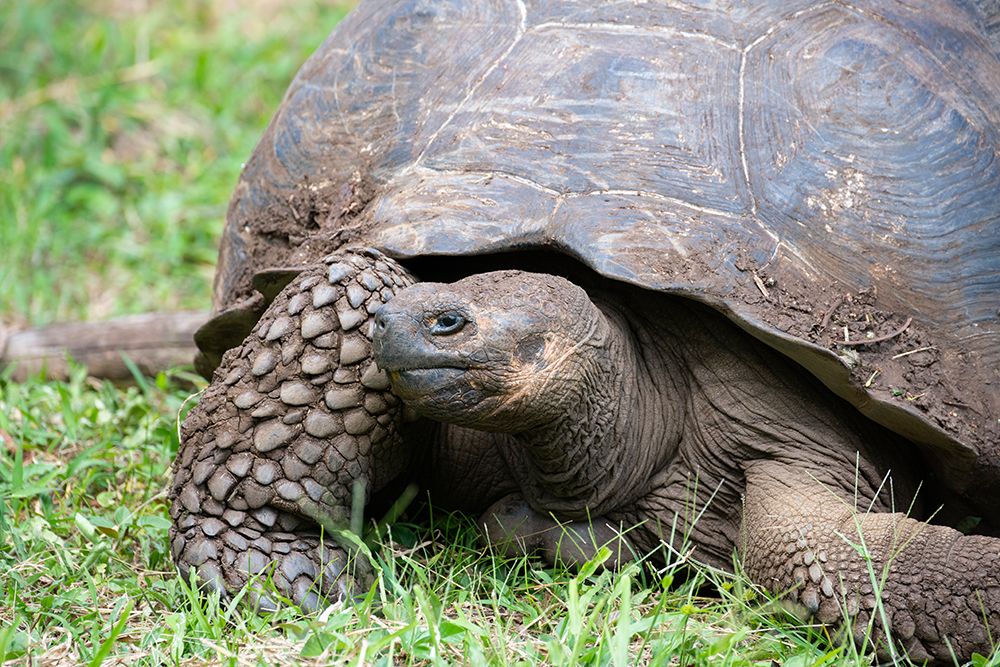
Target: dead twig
pixel 909 352
pixel 879 339
pixel 837 303
pixel 760 285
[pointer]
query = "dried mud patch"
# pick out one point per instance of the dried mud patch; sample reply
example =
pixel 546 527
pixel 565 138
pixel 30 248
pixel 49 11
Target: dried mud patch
pixel 891 355
pixel 312 220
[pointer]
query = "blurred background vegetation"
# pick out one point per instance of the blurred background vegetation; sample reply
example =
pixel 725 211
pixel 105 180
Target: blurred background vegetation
pixel 123 125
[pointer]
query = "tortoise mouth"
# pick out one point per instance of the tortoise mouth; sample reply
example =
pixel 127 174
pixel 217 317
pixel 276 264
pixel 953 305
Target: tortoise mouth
pixel 409 383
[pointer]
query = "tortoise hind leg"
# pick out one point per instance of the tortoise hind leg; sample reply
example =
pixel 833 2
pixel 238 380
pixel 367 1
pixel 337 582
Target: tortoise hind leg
pixel 941 592
pixel 293 421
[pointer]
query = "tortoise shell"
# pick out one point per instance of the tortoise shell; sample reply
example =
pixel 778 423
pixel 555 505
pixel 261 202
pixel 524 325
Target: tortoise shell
pixel 824 173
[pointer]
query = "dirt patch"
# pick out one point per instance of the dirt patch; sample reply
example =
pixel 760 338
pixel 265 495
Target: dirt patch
pixel 314 220
pixel 891 355
pixel 298 227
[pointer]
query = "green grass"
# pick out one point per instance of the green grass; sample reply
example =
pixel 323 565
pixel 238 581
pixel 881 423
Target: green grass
pixel 83 524
pixel 123 125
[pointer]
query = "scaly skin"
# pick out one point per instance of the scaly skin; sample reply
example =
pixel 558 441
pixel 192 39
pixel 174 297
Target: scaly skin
pixel 293 420
pixel 940 590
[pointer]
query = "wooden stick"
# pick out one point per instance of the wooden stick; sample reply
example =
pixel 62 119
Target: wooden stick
pixel 879 339
pixel 153 341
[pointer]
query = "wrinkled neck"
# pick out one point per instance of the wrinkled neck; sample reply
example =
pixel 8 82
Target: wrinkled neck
pixel 611 436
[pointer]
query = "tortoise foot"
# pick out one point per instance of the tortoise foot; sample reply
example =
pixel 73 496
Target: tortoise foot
pixel 513 528
pixel 276 567
pixel 296 429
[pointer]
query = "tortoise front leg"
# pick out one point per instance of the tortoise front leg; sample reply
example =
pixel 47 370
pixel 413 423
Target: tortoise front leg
pixel 294 420
pixel 939 589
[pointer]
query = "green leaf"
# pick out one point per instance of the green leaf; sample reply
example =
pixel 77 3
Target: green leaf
pixel 316 644
pixel 85 526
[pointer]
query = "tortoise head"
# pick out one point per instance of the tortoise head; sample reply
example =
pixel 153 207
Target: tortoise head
pixel 501 351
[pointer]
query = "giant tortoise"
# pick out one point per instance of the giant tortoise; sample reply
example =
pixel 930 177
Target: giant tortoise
pixel 623 273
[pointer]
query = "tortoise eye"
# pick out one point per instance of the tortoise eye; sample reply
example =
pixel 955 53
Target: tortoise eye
pixel 447 323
